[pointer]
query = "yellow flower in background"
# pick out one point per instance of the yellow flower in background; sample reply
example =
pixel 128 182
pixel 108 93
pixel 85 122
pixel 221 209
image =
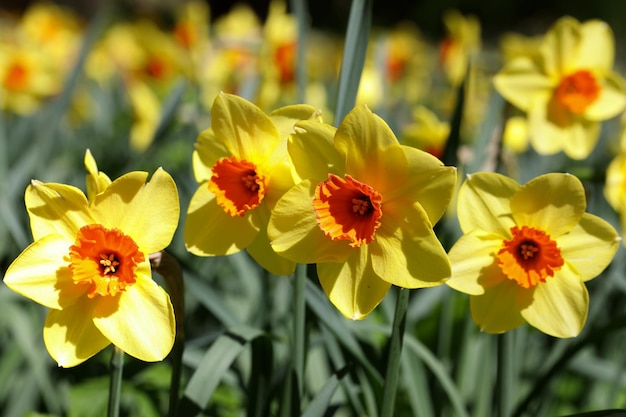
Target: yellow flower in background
pixel 527 251
pixel 515 134
pixel 515 45
pixel 460 46
pixel 242 168
pixel 146 115
pixel 26 78
pixel 363 212
pixel 427 132
pixel 89 264
pixel 570 90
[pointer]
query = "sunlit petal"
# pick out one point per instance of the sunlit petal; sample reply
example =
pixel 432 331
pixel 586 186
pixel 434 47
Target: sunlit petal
pixel 497 310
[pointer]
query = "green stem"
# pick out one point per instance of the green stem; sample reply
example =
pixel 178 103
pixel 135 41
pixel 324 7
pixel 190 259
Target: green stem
pixel 504 383
pixel 299 325
pixel 115 386
pixel 171 271
pixel 395 351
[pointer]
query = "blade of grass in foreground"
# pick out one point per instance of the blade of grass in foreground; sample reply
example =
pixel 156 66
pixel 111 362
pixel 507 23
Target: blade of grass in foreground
pixel 354 52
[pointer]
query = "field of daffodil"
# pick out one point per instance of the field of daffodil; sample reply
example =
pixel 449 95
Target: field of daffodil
pixel 239 215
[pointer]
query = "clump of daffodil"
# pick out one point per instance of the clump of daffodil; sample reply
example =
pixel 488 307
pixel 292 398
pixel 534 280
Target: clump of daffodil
pixel 242 168
pixel 527 251
pixel 460 46
pixel 364 211
pixel 569 90
pixel 89 264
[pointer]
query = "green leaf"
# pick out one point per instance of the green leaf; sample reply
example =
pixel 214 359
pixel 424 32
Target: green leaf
pixel 319 404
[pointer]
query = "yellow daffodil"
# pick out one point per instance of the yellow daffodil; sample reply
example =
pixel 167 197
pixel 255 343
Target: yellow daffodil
pixel 515 134
pixel 427 132
pixel 460 46
pixel 242 167
pixel 146 115
pixel 364 211
pixel 569 90
pixel 89 264
pixel 527 251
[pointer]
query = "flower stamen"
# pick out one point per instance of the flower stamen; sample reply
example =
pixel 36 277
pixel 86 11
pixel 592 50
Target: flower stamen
pixel 347 209
pixel 529 256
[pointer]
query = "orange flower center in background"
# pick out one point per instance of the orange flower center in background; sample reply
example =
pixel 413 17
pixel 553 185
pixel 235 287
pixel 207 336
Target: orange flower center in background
pixel 237 185
pixel 104 258
pixel 347 209
pixel 16 77
pixel 577 91
pixel 286 61
pixel 529 257
pixel 185 34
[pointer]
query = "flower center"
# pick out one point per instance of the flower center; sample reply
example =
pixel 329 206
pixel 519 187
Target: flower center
pixel 347 209
pixel 529 257
pixel 577 91
pixel 237 185
pixel 104 258
pixel 16 77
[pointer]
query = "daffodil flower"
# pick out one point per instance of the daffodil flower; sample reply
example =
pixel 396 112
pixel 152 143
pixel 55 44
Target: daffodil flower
pixel 527 251
pixel 242 167
pixel 569 90
pixel 363 212
pixel 89 264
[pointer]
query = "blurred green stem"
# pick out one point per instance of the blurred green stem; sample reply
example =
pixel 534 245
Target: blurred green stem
pixel 115 386
pixel 169 268
pixel 395 351
pixel 504 382
pixel 299 324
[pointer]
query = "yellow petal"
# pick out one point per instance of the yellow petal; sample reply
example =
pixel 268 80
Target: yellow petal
pixel 497 310
pixel 521 82
pixel 597 46
pixel 140 322
pixel 483 203
pixel 96 181
pixel 41 272
pixel 264 255
pixel 406 252
pixel 56 208
pixel 545 136
pixel 590 246
pixel 428 182
pixel 610 102
pixel 552 202
pixel 359 139
pixel 312 151
pixel 70 335
pixel 559 46
pixel 474 264
pixel 246 131
pixel 286 117
pixel 210 231
pixel 208 150
pixel 148 213
pixel 294 233
pixel 353 286
pixel 582 137
pixel 559 306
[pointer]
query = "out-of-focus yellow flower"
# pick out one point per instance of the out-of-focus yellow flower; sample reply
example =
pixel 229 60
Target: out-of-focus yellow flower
pixel 460 46
pixel 242 168
pixel 570 90
pixel 54 29
pixel 427 132
pixel 146 115
pixel 89 264
pixel 363 212
pixel 527 252
pixel 515 134
pixel 191 32
pixel 26 78
pixel 515 45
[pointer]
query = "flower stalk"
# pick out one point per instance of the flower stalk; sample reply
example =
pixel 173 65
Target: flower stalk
pixel 115 385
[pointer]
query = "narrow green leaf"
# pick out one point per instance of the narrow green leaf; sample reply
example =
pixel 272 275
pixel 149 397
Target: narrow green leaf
pixel 213 366
pixel 319 404
pixel 355 50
